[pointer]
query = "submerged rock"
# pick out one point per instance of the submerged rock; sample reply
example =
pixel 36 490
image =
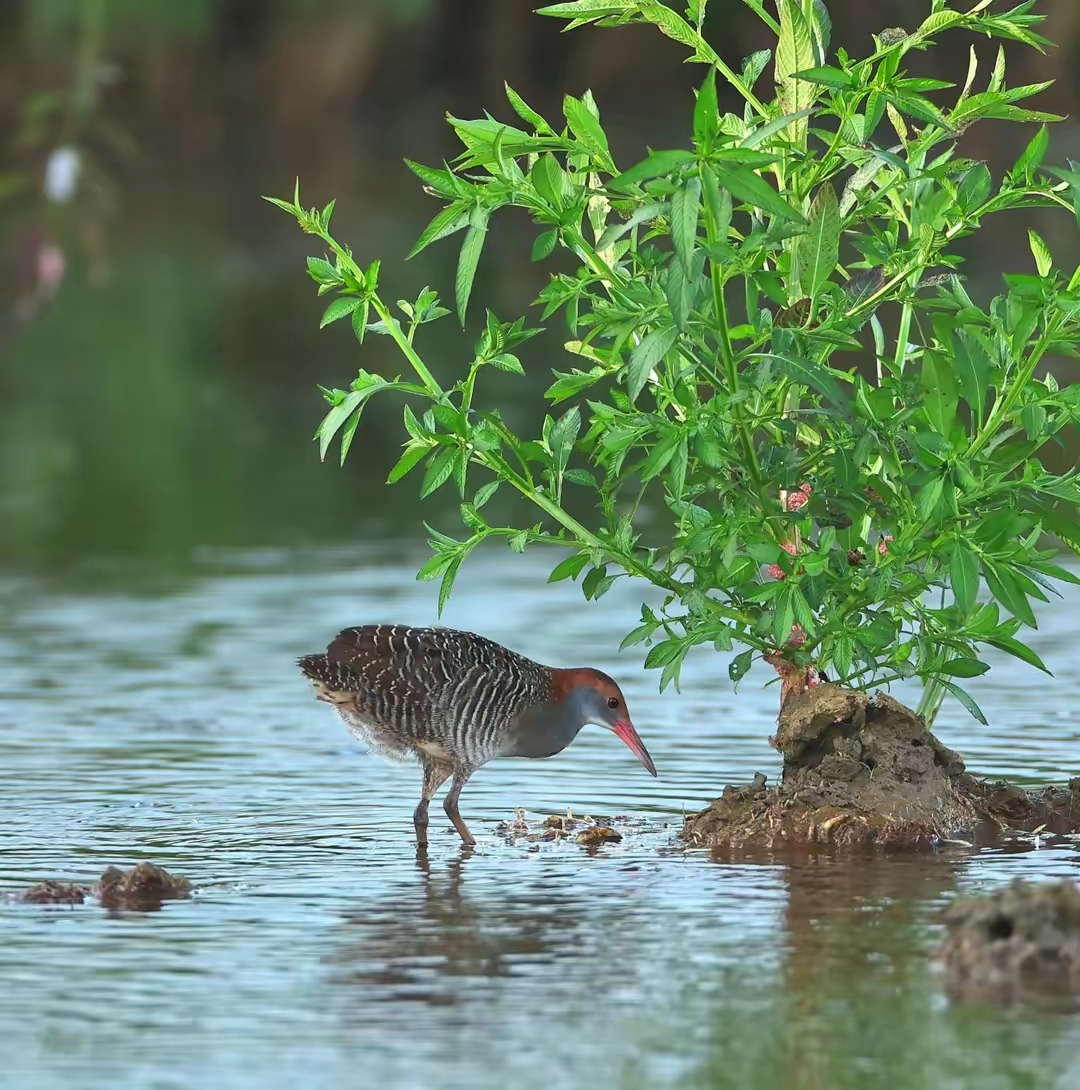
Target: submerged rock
pixel 595 835
pixel 142 889
pixel 1024 940
pixel 55 893
pixel 856 771
pixel 1006 807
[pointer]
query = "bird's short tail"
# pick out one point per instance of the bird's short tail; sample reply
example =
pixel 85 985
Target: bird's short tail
pixel 329 675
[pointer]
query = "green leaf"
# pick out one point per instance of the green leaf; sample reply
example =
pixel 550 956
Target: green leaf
pixel 918 107
pixel 586 10
pixel 760 135
pixel 1004 587
pixel 964 667
pixel 939 393
pixel 815 375
pixel 338 309
pixel 964 576
pixel 677 472
pixel 646 356
pixel 438 472
pixel 447 584
pixel 972 370
pixel 451 219
pixel 929 497
pixel 816 252
pixel 794 53
pixel 570 568
pixel 827 77
pixel 739 666
pixel 706 113
pixel 544 244
pixel 321 271
pixel 547 178
pixel 659 455
pixel 484 493
pixel 616 230
pixel 563 435
pixel 507 361
pixel 784 617
pixel 360 320
pixel 1033 154
pixel 587 129
pixel 658 162
pixel 467 262
pixel 1044 261
pixel 842 653
pixel 964 699
pixel 680 292
pixel 747 186
pixel 409 460
pixel 442 181
pixel 335 420
pixel 685 205
pixel 524 110
pixel 1018 650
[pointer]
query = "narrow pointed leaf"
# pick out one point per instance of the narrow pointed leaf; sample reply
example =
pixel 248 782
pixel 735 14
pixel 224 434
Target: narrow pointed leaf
pixel 685 205
pixel 747 186
pixel 964 576
pixel 817 251
pixel 466 270
pixel 964 699
pixel 646 356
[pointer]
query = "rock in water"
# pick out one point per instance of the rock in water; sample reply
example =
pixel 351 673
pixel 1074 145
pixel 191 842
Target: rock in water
pixel 1023 941
pixel 856 771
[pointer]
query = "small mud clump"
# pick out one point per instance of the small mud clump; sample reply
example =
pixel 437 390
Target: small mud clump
pixel 1006 807
pixel 55 893
pixel 1021 942
pixel 595 835
pixel 141 889
pixel 856 771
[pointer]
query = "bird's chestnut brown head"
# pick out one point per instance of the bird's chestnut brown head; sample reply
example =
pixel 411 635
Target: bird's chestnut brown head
pixel 597 698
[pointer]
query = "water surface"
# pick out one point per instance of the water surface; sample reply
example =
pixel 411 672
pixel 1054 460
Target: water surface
pixel 167 722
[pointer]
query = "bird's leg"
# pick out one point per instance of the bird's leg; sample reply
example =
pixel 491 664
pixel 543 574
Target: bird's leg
pixel 461 777
pixel 436 774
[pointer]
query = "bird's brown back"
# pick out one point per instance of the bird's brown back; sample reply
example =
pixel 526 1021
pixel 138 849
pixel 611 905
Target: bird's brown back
pixel 439 685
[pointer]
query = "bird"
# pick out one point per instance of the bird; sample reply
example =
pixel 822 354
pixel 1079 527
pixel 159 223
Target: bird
pixel 454 700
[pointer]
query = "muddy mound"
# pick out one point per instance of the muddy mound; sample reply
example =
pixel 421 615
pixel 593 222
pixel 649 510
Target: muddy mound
pixel 1022 941
pixel 141 889
pixel 1007 807
pixel 856 771
pixel 51 892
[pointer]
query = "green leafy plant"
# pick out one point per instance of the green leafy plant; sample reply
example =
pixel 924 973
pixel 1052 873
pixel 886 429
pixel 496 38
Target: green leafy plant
pixel 823 511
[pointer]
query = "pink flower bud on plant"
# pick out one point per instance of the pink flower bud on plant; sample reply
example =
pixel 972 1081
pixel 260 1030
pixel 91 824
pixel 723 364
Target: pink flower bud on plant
pixel 776 571
pixel 789 548
pixel 883 544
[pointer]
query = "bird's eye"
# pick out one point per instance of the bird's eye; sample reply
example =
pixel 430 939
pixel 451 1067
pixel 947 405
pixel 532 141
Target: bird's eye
pixel 613 702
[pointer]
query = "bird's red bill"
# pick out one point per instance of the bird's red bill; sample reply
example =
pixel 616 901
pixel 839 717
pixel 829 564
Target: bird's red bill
pixel 624 729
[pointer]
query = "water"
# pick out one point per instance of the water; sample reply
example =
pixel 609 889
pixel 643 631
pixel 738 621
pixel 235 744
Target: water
pixel 168 723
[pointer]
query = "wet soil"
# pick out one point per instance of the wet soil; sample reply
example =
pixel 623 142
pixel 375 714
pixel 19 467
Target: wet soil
pixel 141 889
pixel 866 771
pixel 1021 942
pixel 590 832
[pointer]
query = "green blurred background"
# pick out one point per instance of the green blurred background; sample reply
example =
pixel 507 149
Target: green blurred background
pixel 159 349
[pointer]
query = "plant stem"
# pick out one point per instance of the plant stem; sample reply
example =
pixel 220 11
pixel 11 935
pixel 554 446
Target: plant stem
pixel 407 350
pixel 1002 406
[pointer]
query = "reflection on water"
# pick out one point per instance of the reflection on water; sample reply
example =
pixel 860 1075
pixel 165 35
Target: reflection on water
pixel 169 723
